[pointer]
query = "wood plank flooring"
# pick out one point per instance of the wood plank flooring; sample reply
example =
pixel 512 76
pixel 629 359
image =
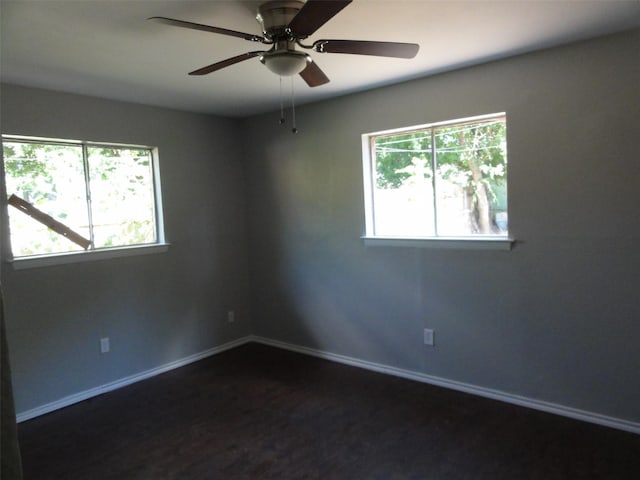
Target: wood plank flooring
pixel 257 412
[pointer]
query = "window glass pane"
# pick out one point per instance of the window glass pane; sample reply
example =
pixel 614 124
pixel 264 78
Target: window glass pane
pixel 402 185
pixel 441 180
pixel 471 179
pixel 122 198
pixel 51 178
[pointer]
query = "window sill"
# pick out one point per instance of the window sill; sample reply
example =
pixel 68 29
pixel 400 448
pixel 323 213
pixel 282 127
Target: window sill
pixel 90 256
pixel 484 243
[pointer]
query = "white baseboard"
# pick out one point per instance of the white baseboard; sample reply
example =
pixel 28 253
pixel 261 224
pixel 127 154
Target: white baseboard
pixel 123 382
pixel 549 407
pixel 607 421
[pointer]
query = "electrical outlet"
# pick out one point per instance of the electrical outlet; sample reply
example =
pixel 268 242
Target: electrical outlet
pixel 231 316
pixel 104 345
pixel 428 337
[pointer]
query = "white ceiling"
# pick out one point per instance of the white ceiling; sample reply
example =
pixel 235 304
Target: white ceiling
pixel 106 48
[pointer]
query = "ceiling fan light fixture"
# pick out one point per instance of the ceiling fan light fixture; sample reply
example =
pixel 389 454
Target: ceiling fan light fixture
pixel 285 64
pixel 285 23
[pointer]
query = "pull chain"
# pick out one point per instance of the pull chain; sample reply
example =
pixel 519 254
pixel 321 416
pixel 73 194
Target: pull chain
pixel 294 129
pixel 281 104
pixel 293 108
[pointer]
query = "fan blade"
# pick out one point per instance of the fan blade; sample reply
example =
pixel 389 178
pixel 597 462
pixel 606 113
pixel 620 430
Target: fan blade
pixel 313 15
pixel 225 63
pixel 313 75
pixel 207 28
pixel 362 47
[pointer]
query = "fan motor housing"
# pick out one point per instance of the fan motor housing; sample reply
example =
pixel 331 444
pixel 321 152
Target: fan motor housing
pixel 274 17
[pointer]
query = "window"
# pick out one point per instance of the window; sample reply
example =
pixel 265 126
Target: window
pixel 67 196
pixel 440 181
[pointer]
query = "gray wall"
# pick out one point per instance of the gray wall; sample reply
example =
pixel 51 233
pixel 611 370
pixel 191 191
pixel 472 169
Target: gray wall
pixel 155 308
pixel 556 319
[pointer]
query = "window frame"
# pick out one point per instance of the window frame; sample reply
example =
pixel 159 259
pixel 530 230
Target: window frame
pixel 370 238
pixel 91 254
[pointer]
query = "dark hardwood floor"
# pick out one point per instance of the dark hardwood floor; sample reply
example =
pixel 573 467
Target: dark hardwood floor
pixel 256 412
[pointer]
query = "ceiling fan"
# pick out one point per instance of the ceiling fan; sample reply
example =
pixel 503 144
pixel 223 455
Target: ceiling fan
pixel 286 24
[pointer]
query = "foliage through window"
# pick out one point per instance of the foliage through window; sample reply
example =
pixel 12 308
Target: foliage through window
pixel 103 195
pixel 441 180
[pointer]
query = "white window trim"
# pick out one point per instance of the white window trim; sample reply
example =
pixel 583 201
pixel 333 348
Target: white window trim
pixel 38 261
pixel 370 239
pixel 457 243
pixel 47 260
